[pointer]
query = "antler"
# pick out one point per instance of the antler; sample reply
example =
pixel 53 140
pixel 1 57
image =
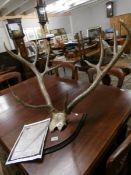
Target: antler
pixel 59 121
pixel 39 75
pixel 101 72
pixel 59 117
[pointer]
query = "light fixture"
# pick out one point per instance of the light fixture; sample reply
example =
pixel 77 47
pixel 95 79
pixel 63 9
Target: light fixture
pixel 63 5
pixel 41 12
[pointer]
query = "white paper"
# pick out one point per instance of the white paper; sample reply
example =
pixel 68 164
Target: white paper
pixel 30 143
pixel 53 139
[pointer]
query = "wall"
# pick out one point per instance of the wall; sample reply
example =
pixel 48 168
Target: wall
pixel 60 22
pixel 54 23
pixel 90 16
pixel 122 7
pixel 29 23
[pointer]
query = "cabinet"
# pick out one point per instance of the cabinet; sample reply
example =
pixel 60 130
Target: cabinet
pixel 115 21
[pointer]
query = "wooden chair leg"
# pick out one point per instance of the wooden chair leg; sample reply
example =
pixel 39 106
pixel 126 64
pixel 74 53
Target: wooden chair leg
pixel 120 82
pixel 117 72
pixel 120 74
pixel 75 74
pixel 91 72
pixel 1 169
pixel 106 80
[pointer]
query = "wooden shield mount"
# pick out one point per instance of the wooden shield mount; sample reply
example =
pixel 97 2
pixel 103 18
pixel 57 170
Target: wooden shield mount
pixel 57 140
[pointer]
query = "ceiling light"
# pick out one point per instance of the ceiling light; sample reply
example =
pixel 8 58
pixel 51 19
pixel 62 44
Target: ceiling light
pixel 63 5
pixel 81 2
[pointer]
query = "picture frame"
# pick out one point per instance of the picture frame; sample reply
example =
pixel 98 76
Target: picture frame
pixel 64 38
pixel 30 34
pixel 58 38
pixel 14 30
pixel 39 33
pixel 55 32
pixel 61 31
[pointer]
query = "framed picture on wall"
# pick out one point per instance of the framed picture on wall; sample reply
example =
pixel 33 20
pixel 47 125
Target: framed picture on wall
pixel 14 30
pixel 30 34
pixel 64 38
pixel 55 32
pixel 58 38
pixel 39 33
pixel 61 31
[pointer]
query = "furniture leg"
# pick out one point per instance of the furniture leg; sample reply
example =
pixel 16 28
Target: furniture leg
pixel 106 80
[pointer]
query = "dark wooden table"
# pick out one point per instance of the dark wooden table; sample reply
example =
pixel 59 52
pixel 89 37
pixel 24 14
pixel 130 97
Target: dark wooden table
pixel 108 109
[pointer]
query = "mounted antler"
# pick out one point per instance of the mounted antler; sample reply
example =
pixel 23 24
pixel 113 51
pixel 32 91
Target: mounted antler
pixel 101 72
pixel 59 117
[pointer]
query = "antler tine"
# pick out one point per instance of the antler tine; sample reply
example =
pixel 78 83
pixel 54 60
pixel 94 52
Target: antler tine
pixel 115 58
pixel 47 68
pixel 25 103
pixel 100 76
pixel 102 52
pixel 36 53
pixel 51 69
pixel 97 67
pixel 115 47
pixel 38 75
pixel 90 64
pixel 47 60
pixel 18 57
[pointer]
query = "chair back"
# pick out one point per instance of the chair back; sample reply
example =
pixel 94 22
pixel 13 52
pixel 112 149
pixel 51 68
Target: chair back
pixel 1 170
pixel 120 160
pixel 69 66
pixel 8 76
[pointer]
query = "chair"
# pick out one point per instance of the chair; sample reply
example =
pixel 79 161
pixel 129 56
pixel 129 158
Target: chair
pixel 117 72
pixel 119 161
pixel 89 53
pixel 120 70
pixel 1 170
pixel 8 76
pixel 69 66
